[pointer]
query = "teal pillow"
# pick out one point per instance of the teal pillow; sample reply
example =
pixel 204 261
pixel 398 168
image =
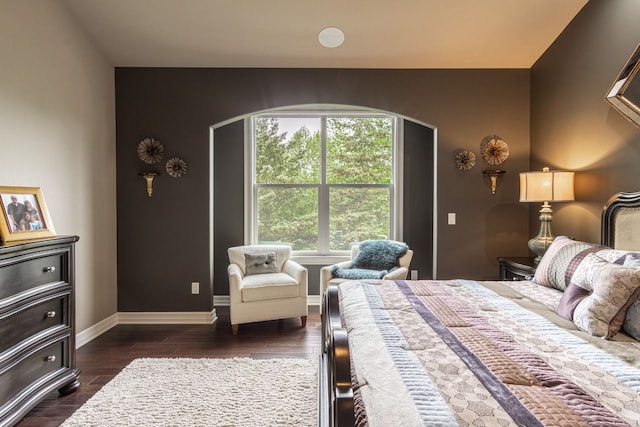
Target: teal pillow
pixel 379 254
pixel 357 273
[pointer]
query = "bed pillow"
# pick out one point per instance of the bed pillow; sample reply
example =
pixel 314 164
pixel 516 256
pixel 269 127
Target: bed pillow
pixel 571 297
pixel 560 261
pixel 613 289
pixel 580 287
pixel 632 321
pixel 628 259
pixel 619 256
pixel 379 254
pixel 261 263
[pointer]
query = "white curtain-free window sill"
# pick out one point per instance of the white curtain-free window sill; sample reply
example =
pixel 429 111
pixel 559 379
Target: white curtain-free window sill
pixel 320 259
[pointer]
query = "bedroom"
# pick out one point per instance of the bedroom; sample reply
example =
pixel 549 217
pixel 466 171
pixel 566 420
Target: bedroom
pixel 552 115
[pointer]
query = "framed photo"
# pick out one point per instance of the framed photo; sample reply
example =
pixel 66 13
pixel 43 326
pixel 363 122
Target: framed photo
pixel 24 214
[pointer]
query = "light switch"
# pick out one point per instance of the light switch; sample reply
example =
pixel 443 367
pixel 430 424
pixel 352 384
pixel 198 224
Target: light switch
pixel 451 218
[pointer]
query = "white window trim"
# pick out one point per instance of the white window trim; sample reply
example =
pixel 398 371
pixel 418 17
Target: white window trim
pixel 250 191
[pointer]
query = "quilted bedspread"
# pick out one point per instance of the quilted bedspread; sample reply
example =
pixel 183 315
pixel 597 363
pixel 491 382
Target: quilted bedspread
pixel 462 352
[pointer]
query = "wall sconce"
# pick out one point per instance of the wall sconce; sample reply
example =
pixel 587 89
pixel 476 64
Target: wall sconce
pixel 493 175
pixel 545 186
pixel 148 177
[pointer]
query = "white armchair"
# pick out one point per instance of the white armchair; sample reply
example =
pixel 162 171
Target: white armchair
pixel 399 273
pixel 264 284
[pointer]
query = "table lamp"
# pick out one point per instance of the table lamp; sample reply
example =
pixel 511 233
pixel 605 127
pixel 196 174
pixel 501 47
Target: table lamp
pixel 545 186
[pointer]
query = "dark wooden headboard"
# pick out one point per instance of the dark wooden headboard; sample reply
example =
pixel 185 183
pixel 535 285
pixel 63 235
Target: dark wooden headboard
pixel 621 221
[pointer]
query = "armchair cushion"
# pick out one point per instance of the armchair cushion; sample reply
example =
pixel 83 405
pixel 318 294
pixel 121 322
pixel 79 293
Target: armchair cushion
pixel 379 254
pixel 261 287
pixel 261 263
pixel 357 273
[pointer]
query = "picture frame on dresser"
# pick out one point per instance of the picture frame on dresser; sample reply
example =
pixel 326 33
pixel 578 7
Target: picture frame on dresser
pixel 25 215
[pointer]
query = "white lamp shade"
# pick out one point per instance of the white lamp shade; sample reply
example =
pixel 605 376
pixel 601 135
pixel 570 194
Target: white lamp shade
pixel 546 186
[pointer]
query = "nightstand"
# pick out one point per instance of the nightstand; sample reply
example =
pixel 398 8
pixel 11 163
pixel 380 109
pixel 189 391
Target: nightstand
pixel 516 268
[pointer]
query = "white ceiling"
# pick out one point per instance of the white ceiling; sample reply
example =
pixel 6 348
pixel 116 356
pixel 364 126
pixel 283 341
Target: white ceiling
pixel 283 33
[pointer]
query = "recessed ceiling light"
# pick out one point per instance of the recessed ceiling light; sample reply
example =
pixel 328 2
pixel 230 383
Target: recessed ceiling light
pixel 331 37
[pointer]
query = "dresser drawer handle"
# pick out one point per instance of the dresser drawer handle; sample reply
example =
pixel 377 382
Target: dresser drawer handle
pixel 50 269
pixel 51 359
pixel 51 314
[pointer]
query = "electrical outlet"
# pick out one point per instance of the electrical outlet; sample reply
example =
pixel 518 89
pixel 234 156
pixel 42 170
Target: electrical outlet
pixel 195 288
pixel 414 274
pixel 451 218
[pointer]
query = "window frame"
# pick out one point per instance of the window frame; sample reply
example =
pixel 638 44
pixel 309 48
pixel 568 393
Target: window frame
pixel 323 254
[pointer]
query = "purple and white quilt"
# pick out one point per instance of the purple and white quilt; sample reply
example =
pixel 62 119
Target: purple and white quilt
pixel 461 352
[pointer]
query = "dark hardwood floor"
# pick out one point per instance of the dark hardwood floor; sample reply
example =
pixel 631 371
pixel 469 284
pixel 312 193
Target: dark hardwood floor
pixel 101 359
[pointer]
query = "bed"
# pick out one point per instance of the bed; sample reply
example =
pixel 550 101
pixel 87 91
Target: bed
pixel 559 349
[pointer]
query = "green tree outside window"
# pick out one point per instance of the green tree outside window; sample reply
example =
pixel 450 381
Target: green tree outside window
pixel 356 179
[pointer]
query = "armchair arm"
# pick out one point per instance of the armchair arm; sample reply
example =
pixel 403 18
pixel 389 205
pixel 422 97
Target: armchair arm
pixel 325 274
pixel 399 273
pixel 343 264
pixel 235 282
pixel 299 273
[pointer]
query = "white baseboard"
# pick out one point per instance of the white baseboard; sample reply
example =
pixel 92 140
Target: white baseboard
pixel 96 330
pixel 223 300
pixel 167 318
pixel 160 318
pixel 313 300
pixel 145 318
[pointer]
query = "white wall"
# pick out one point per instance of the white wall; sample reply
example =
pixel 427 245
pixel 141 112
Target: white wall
pixel 57 132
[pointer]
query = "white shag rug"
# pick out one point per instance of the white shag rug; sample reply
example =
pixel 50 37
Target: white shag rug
pixel 206 392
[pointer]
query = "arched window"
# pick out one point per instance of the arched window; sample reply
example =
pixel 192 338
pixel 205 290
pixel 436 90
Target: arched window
pixel 323 180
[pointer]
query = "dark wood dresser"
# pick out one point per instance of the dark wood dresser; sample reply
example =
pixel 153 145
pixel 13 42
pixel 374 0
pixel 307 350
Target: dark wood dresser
pixel 37 330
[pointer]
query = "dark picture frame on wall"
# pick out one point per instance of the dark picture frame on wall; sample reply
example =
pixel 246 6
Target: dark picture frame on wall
pixel 25 215
pixel 624 94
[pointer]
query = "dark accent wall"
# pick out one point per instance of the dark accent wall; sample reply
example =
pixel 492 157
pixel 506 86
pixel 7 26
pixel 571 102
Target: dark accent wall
pixel 163 240
pixel 418 196
pixel 228 198
pixel 572 127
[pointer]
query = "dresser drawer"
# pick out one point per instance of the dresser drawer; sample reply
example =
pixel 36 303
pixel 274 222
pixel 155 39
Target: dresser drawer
pixel 31 369
pixel 37 342
pixel 32 319
pixel 29 273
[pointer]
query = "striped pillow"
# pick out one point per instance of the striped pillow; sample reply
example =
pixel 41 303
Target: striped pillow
pixel 560 261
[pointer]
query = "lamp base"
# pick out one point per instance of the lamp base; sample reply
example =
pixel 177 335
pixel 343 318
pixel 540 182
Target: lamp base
pixel 539 244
